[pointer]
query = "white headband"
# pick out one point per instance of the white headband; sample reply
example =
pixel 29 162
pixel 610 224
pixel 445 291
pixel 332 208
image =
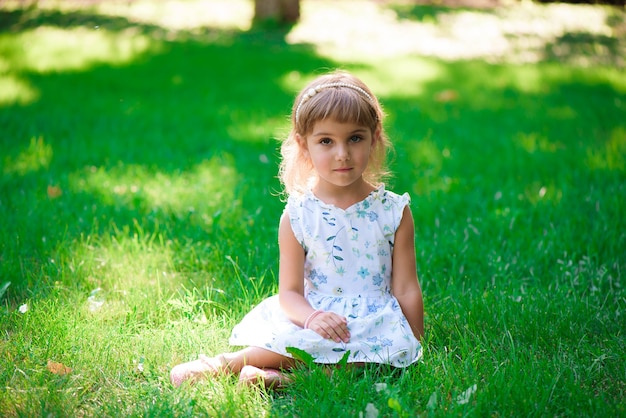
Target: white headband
pixel 314 90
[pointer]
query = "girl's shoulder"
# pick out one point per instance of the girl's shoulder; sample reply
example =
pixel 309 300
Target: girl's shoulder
pixel 388 197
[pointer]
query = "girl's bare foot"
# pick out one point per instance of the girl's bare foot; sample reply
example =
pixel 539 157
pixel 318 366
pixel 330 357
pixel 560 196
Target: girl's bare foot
pixel 198 369
pixel 267 378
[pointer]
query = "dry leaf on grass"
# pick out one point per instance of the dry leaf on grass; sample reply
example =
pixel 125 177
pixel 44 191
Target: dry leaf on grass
pixel 58 368
pixel 54 192
pixel 446 96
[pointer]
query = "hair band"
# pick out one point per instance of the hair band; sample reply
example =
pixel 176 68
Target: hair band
pixel 314 90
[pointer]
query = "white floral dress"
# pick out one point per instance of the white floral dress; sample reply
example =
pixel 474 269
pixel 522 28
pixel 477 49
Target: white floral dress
pixel 348 271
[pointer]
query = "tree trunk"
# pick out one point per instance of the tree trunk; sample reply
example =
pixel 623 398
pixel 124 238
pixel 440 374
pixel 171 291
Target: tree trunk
pixel 279 11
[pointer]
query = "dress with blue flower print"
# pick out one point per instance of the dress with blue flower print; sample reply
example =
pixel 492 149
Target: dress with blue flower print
pixel 348 271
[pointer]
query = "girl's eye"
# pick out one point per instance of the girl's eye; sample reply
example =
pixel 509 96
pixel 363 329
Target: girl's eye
pixel 325 141
pixel 356 138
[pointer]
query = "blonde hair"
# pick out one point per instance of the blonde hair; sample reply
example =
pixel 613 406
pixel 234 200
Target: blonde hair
pixel 346 99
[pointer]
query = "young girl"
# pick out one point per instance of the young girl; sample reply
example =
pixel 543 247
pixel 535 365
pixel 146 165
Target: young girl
pixel 347 275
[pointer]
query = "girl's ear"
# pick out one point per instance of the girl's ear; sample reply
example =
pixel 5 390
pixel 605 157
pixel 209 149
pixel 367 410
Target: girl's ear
pixel 376 136
pixel 303 145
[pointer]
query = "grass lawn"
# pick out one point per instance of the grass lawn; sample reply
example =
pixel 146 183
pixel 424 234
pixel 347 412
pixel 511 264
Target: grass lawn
pixel 139 203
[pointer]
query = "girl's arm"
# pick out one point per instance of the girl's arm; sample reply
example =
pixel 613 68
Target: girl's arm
pixel 291 289
pixel 404 282
pixel 291 275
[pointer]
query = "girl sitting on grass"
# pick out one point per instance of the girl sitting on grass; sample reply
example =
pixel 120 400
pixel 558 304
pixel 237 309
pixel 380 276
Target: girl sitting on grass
pixel 347 277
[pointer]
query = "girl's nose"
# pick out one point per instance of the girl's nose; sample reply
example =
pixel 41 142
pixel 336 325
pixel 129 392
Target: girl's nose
pixel 343 153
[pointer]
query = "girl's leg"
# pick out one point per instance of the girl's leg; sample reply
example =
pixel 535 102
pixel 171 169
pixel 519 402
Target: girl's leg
pixel 197 369
pixel 258 366
pixel 258 357
pixel 268 378
pixel 228 363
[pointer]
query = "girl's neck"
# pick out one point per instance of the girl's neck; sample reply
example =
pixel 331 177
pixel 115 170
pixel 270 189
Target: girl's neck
pixel 343 196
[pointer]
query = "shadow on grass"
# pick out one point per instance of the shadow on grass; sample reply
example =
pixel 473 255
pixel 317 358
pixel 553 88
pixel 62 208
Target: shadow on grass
pixel 430 13
pixel 582 48
pixel 19 20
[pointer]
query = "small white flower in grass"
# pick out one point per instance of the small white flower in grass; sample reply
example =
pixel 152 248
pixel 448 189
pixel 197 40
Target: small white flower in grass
pixel 370 412
pixel 23 308
pixel 464 397
pixel 95 300
pixel 139 363
pixel 380 387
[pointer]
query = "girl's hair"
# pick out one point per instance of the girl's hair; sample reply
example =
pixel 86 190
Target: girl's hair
pixel 346 99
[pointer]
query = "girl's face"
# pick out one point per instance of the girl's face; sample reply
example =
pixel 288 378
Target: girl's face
pixel 339 152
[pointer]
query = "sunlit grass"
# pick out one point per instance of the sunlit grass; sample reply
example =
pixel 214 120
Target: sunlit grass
pixel 192 14
pixel 37 156
pixel 611 155
pixel 534 142
pixel 49 49
pixel 202 190
pixel 13 90
pixel 403 77
pixel 139 203
pixel 521 34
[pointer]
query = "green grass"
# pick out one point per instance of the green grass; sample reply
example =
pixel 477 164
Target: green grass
pixel 141 160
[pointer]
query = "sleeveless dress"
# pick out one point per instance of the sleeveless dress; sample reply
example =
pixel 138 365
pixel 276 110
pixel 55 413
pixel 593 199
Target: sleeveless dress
pixel 347 271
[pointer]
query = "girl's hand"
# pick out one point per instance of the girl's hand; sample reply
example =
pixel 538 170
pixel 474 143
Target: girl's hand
pixel 331 326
